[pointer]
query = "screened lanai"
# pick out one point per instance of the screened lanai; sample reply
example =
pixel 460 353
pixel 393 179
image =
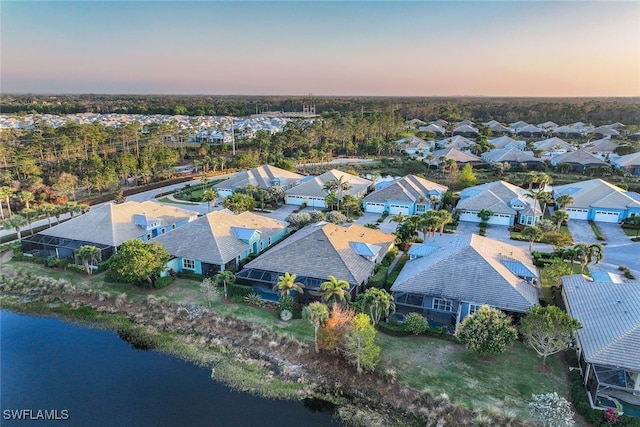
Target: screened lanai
pixel 44 246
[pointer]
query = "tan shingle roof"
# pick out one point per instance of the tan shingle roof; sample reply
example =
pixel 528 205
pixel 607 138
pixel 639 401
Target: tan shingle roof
pixel 112 224
pixel 322 249
pixel 407 189
pixel 314 186
pixel 496 196
pixel 262 176
pixel 211 238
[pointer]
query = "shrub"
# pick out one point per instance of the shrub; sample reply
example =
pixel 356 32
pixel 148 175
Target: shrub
pixel 378 279
pixel 389 257
pixel 241 291
pixel 393 330
pixel 416 324
pixel 551 410
pixel 556 239
pixel 487 331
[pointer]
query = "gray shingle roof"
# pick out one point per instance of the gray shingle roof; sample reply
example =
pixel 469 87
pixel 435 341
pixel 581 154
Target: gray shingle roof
pixel 552 144
pixel 627 160
pixel 580 157
pixel 610 318
pixel 470 268
pixel 314 187
pixel 503 141
pixel 322 249
pixel 217 237
pixel 512 155
pixel 406 189
pixel 455 154
pixel 596 193
pixel 112 224
pixel 262 176
pixel 496 196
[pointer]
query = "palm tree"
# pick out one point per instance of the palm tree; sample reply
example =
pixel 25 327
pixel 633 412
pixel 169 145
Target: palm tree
pixel 287 283
pixel 444 218
pixel 29 214
pixel 564 200
pixel 208 196
pixel 335 290
pixel 15 222
pixel 539 197
pixel 587 254
pixel 317 314
pixel 26 197
pixel 532 177
pixel 544 180
pixel 5 193
pixel 89 255
pixel 428 223
pixel 532 233
pixel 378 303
pixel 47 209
pixel 224 278
pixel 485 215
pixel 559 217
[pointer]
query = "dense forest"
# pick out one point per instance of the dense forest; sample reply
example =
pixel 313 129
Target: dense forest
pixel 596 111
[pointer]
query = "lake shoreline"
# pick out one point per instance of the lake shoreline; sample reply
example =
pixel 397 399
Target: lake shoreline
pixel 250 365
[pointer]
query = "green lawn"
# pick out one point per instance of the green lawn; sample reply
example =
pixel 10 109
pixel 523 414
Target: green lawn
pixel 196 191
pixel 168 200
pixel 631 232
pixel 424 363
pixel 503 384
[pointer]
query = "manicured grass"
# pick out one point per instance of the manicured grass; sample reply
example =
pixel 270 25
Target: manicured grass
pixel 168 200
pixel 596 230
pixel 631 232
pixel 196 191
pixel 503 384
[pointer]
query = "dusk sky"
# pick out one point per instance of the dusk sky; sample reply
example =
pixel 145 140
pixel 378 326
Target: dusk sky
pixel 359 48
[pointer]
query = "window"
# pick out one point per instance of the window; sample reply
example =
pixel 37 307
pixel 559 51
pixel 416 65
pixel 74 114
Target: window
pixel 173 226
pixel 189 264
pixel 442 304
pixel 474 307
pixel 148 236
pixel 420 208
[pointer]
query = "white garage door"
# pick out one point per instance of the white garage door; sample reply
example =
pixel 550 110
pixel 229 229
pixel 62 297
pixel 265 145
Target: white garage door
pixel 374 207
pixel 605 216
pixel 396 209
pixel 295 200
pixel 500 219
pixel 470 217
pixel 577 213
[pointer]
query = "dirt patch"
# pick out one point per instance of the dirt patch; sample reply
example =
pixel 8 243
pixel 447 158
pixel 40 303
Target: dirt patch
pixel 543 369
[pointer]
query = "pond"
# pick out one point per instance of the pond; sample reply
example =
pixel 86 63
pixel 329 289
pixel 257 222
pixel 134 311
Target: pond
pixel 90 377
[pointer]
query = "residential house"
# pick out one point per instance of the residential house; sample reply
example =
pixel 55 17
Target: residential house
pixel 450 277
pixel 577 161
pixel 548 125
pixel 629 162
pixel 438 130
pixel 316 252
pixel 507 142
pixel 458 156
pixel 552 147
pixel 599 200
pixel 530 131
pixel 414 123
pixel 510 204
pixel 569 132
pixel 414 145
pixel 602 148
pixel 498 128
pixel 518 125
pixel 608 343
pixel 408 195
pixel 312 191
pixel 220 241
pixel 264 176
pixel 107 227
pixel 513 156
pixel 605 132
pixel 459 142
pixel 466 130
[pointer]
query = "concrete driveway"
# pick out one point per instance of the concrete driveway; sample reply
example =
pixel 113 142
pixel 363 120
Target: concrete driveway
pixel 581 231
pixel 500 233
pixel 619 250
pixel 280 214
